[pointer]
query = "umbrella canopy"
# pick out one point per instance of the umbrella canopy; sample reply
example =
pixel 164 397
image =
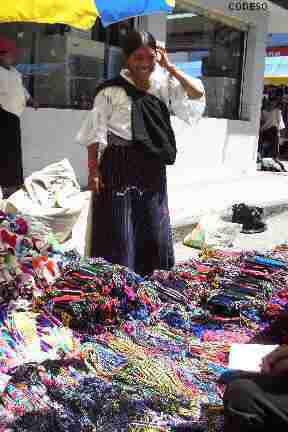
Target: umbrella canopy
pixel 276 70
pixel 79 13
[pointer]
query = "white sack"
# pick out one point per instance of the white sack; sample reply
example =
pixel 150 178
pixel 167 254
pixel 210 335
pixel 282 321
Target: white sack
pixel 51 195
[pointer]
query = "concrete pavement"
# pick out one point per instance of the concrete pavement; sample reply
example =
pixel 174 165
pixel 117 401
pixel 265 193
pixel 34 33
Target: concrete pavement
pixel 189 202
pixel 277 233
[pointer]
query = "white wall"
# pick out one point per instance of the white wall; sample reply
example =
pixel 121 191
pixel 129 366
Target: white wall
pixel 48 135
pixel 214 148
pixel 211 148
pixel 278 18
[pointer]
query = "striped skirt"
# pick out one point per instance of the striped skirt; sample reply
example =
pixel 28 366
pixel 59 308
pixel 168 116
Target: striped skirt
pixel 131 222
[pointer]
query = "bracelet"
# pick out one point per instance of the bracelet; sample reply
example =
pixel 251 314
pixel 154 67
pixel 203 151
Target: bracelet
pixel 172 68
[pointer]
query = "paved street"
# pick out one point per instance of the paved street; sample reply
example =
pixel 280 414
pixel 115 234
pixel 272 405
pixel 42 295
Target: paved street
pixel 276 233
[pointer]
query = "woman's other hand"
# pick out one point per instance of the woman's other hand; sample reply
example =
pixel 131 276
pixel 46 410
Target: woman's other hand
pixel 277 361
pixel 95 182
pixel 162 58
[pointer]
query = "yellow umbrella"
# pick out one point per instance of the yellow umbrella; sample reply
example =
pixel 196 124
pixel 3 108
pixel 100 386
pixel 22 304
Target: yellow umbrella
pixel 77 13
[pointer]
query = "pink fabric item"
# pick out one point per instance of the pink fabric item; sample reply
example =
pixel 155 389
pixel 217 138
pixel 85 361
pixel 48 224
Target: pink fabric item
pixel 7 46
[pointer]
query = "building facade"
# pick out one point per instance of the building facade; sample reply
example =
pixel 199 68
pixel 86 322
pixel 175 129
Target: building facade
pixel 206 38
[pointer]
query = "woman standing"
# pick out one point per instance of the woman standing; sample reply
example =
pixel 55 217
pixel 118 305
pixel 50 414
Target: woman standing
pixel 270 126
pixel 130 141
pixel 13 99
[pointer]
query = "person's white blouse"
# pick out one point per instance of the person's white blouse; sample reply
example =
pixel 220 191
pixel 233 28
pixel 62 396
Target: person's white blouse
pixel 112 109
pixel 13 95
pixel 271 119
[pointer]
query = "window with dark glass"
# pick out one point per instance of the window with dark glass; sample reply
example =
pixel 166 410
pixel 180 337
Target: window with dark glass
pixel 62 66
pixel 211 51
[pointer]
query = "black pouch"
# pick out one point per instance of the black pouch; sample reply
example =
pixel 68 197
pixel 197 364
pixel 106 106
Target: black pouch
pixel 223 305
pixel 248 280
pixel 242 291
pixel 8 292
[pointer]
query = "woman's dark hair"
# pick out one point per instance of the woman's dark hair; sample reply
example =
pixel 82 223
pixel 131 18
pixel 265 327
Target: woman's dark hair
pixel 137 39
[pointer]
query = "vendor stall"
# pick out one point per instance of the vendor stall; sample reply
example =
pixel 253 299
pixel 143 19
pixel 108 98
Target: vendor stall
pixel 276 71
pixel 90 346
pixel 87 346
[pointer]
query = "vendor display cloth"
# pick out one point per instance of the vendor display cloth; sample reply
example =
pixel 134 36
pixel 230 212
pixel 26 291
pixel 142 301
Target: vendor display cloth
pixel 88 345
pixel 91 295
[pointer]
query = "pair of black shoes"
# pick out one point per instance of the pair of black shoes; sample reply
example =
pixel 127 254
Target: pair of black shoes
pixel 251 218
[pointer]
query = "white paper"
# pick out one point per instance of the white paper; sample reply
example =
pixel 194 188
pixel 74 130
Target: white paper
pixel 248 357
pixel 4 380
pixel 34 354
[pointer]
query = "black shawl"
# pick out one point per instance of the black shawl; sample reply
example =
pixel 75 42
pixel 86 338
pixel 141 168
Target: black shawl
pixel 151 124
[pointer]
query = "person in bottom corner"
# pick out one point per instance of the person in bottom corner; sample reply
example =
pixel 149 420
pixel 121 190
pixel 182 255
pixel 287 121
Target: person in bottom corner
pixel 130 141
pixel 13 99
pixel 270 126
pixel 259 402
